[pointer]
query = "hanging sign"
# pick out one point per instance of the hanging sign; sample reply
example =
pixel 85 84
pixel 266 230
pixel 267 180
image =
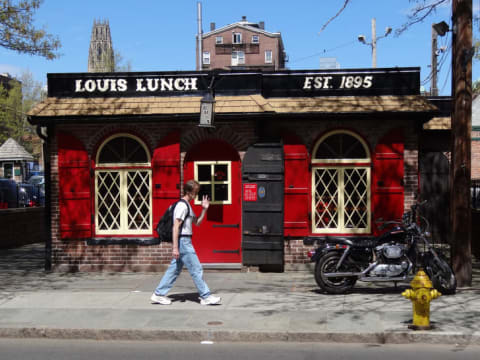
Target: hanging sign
pixel 249 192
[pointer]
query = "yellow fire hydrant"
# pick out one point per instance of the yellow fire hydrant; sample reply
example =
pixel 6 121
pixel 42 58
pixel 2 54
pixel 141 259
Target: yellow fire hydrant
pixel 421 295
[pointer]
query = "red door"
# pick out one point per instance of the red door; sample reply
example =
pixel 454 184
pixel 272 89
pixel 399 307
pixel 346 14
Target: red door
pixel 216 166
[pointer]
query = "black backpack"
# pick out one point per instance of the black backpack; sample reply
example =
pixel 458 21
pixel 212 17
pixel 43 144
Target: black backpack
pixel 165 225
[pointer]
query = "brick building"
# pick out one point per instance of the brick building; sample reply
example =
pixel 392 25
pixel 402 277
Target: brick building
pixel 290 154
pixel 241 45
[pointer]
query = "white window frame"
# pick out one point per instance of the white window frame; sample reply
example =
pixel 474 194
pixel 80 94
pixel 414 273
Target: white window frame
pixel 341 165
pixel 255 39
pixel 236 38
pixel 123 169
pixel 121 164
pixel 268 56
pixel 214 182
pixel 341 229
pixel 123 226
pixel 206 58
pixel 238 58
pixel 351 133
pixel 219 40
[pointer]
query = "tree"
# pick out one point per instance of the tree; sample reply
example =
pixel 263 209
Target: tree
pixel 119 64
pixel 18 33
pixel 15 102
pixel 422 10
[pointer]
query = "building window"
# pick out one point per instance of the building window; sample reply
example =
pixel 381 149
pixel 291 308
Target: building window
pixel 238 58
pixel 237 38
pixel 341 184
pixel 268 56
pixel 206 57
pixel 215 181
pixel 255 39
pixel 219 40
pixel 8 170
pixel 123 177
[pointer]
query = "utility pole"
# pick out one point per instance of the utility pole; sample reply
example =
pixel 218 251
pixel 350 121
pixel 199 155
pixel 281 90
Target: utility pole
pixel 373 44
pixel 460 173
pixel 433 84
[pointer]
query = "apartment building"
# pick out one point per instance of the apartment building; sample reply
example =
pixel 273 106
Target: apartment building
pixel 242 45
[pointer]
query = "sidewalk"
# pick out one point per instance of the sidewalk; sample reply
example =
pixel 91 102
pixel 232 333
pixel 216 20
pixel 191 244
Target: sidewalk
pixel 255 307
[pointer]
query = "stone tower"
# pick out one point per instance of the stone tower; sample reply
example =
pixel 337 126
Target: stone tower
pixel 100 55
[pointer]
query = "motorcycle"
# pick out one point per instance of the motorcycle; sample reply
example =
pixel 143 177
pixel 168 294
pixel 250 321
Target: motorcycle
pixel 395 256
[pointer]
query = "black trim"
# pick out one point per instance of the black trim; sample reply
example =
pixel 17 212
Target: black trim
pixel 123 241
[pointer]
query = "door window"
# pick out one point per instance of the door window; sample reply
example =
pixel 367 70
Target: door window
pixel 215 181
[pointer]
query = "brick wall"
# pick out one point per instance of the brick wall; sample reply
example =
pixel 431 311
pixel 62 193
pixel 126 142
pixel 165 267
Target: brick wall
pixel 69 255
pixel 22 226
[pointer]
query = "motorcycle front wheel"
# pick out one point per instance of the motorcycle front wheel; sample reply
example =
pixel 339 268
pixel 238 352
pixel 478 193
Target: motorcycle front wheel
pixel 441 274
pixel 337 285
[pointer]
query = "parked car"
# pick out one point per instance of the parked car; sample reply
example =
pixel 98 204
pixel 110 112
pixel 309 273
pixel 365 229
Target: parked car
pixel 32 193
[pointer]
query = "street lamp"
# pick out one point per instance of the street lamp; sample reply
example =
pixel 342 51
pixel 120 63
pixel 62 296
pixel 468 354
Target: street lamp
pixel 373 44
pixel 207 110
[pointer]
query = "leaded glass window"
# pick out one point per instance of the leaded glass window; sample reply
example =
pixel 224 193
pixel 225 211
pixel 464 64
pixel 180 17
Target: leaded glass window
pixel 340 189
pixel 123 198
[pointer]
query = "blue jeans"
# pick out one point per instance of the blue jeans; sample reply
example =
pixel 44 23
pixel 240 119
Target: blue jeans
pixel 189 258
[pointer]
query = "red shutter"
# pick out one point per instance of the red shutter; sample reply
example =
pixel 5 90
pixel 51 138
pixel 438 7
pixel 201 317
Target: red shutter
pixel 388 199
pixel 74 184
pixel 166 175
pixel 297 180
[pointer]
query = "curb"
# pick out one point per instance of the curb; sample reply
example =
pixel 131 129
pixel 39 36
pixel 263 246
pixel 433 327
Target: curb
pixel 242 336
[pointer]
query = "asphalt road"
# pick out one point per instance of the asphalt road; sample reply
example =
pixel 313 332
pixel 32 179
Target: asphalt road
pixel 41 349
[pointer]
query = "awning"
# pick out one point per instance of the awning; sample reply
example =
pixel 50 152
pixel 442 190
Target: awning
pixel 54 107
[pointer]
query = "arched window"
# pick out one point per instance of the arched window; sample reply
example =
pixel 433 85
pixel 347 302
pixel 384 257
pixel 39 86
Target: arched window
pixel 123 177
pixel 341 184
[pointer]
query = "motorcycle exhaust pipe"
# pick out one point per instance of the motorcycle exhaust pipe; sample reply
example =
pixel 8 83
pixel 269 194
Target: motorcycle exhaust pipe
pixel 350 274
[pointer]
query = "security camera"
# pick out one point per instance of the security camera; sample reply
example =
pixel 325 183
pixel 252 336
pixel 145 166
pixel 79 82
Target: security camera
pixel 361 38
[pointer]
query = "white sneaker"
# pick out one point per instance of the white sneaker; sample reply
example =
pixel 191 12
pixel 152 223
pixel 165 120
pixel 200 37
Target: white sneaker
pixel 158 299
pixel 211 300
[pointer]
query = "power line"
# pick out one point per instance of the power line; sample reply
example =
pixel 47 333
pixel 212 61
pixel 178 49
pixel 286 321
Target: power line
pixel 323 52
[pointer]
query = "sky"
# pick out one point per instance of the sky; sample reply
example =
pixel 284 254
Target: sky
pixel 159 35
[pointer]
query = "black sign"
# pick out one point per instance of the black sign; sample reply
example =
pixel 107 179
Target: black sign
pixel 308 83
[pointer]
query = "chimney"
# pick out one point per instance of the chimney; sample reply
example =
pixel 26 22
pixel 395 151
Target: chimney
pixel 212 26
pixel 262 25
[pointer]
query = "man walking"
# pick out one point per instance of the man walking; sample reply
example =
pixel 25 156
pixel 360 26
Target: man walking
pixel 183 252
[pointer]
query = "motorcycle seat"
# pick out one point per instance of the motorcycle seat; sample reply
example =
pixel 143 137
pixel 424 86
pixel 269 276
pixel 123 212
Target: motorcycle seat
pixel 353 241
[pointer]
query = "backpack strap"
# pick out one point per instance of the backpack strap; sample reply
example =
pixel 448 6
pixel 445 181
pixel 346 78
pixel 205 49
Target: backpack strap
pixel 188 209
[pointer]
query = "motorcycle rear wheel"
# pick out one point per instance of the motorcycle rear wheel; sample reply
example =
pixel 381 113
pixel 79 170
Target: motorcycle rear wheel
pixel 327 264
pixel 442 276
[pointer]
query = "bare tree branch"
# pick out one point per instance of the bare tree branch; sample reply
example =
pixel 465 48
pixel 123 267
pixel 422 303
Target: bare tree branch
pixel 420 12
pixel 334 17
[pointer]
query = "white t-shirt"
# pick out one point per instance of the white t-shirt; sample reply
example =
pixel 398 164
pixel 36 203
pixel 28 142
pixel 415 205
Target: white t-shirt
pixel 181 212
